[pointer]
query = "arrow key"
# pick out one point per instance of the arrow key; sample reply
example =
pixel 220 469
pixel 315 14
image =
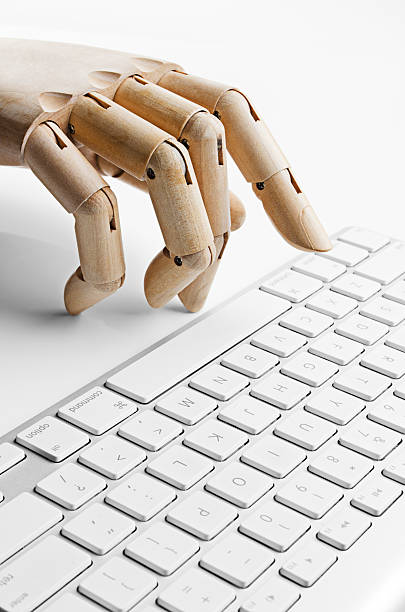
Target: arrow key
pixel 308 565
pixel 150 430
pixel 276 596
pixel 344 529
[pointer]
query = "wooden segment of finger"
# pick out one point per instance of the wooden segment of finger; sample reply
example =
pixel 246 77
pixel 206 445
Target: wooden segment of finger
pixel 98 235
pixel 194 295
pixel 164 279
pixel 197 89
pixel 177 200
pixel 80 295
pixel 115 133
pixel 59 165
pixel 238 212
pixel 292 214
pixel 204 136
pixel 159 106
pixel 249 140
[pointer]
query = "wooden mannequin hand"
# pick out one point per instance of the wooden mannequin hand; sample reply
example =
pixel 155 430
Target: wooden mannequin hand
pixel 72 113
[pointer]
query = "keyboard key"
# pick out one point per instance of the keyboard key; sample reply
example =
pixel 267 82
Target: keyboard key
pixel 10 455
pixel 273 456
pixel 385 311
pixel 344 529
pixel 154 373
pixel 162 548
pixel 97 410
pixel 193 590
pixel 275 339
pixel 308 565
pixel 371 241
pixel 291 285
pixel 112 457
pixel 396 292
pixel 370 439
pixel 400 390
pixel 216 440
pixel 202 515
pixel 219 382
pixel 249 414
pixel 396 340
pixel 237 560
pixel 98 528
pixel 249 360
pixel 186 405
pixel 345 254
pixel 23 520
pixel 341 466
pixel 385 360
pixel 322 269
pixel 355 287
pixel 39 573
pixel 362 383
pixel 239 484
pixel 275 596
pixel 71 486
pixel 180 467
pixel 118 585
pixel 306 322
pixel 386 266
pixel 376 496
pixel 141 496
pixel 336 348
pixel 280 391
pixel 306 430
pixel 361 329
pixel 335 406
pixel 309 495
pixel 332 304
pixel 308 369
pixel 396 469
pixel 274 526
pixel 52 439
pixel 69 602
pixel 150 430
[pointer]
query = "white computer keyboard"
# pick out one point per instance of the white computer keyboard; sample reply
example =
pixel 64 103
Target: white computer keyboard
pixel 235 467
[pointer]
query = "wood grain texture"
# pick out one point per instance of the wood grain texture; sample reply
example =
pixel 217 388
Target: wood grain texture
pixel 177 201
pixel 80 295
pixel 115 133
pixel 159 106
pixel 61 167
pixel 194 295
pixel 164 279
pixel 98 234
pixel 292 214
pixel 197 89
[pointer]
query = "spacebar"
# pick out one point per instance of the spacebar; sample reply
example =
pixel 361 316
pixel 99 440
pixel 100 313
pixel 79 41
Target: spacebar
pixel 177 358
pixel 40 573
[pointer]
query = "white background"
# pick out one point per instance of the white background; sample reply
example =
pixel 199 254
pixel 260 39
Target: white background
pixel 328 76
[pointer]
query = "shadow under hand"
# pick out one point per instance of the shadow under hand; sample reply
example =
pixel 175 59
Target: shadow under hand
pixel 31 278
